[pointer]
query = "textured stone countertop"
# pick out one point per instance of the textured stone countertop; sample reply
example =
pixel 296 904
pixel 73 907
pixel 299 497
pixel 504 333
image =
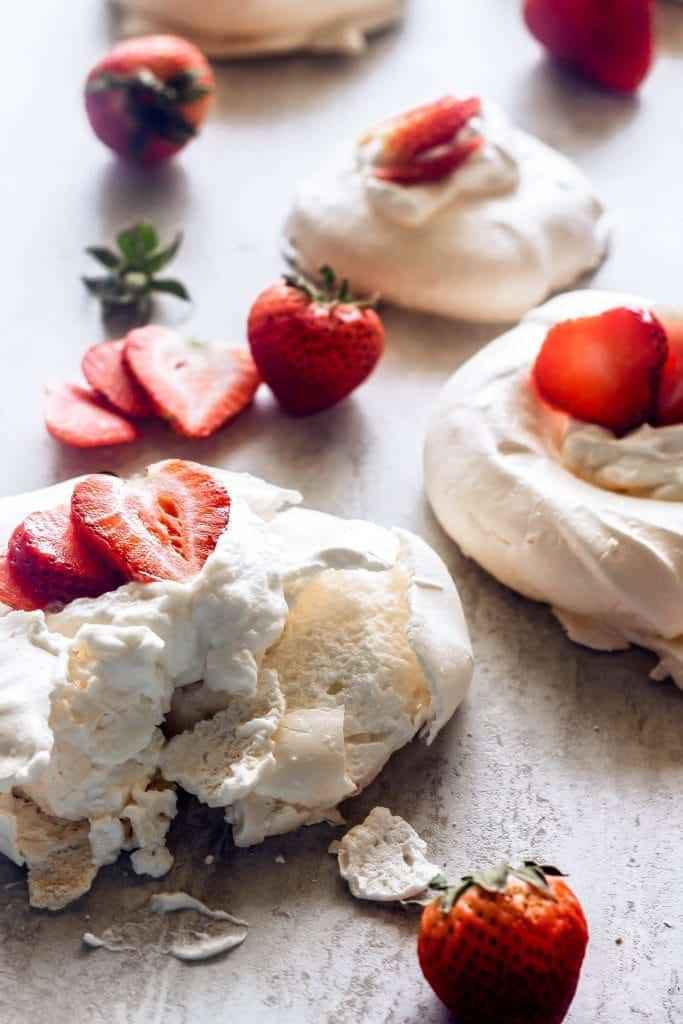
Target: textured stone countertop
pixel 559 752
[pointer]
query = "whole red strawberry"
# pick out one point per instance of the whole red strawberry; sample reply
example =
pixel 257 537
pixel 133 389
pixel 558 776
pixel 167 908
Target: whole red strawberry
pixel 505 946
pixel 610 41
pixel 313 345
pixel 148 97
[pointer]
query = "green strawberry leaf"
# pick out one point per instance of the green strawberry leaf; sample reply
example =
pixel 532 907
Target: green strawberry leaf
pixel 171 286
pixel 137 243
pixel 107 257
pixel 158 260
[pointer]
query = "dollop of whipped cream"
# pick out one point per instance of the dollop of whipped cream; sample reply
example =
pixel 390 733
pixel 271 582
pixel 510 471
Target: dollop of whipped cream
pixel 647 463
pixel 233 28
pixel 513 223
pixel 273 685
pixel 609 564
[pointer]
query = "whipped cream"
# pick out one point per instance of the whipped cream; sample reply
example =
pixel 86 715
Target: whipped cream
pixel 647 463
pixel 273 685
pixel 233 28
pixel 515 222
pixel 384 859
pixel 609 564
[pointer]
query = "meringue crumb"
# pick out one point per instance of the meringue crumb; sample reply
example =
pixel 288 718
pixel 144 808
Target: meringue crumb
pixel 209 859
pixel 280 859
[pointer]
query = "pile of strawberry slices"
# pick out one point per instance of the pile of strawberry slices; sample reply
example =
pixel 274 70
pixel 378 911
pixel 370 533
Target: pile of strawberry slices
pixel 153 372
pixel 161 527
pixel 619 370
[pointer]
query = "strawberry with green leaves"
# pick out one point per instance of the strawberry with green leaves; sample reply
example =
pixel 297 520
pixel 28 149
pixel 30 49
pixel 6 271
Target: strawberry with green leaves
pixel 148 97
pixel 132 280
pixel 313 344
pixel 505 946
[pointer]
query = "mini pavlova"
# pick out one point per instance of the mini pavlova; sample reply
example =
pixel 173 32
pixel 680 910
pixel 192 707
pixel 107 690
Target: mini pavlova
pixel 198 628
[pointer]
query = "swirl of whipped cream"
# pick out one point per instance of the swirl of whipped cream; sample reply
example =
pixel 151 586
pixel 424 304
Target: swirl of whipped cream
pixel 234 28
pixel 647 463
pixel 509 226
pixel 609 564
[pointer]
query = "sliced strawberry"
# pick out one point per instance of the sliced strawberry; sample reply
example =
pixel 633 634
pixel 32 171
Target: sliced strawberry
pixel 79 417
pixel 604 369
pixel 11 592
pixel 195 385
pixel 106 371
pixel 670 400
pixel 430 168
pixel 433 124
pixel 50 561
pixel 163 527
pixel 422 145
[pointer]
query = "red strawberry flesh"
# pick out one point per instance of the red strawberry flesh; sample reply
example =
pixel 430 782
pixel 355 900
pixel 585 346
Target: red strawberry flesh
pixel 79 417
pixel 51 562
pixel 106 371
pixel 604 369
pixel 670 398
pixel 430 168
pixel 422 145
pixel 163 527
pixel 11 592
pixel 195 385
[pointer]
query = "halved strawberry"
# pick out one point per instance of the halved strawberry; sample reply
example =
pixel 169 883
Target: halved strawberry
pixel 604 369
pixel 670 400
pixel 11 593
pixel 50 561
pixel 422 145
pixel 195 385
pixel 79 417
pixel 106 371
pixel 162 527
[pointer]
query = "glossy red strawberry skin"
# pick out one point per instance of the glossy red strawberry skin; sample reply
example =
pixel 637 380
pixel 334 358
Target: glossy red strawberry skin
pixel 604 369
pixel 195 385
pixel 512 957
pixel 106 372
pixel 312 354
pixel 49 560
pixel 81 418
pixel 670 397
pixel 12 593
pixel 163 527
pixel 611 42
pixel 119 124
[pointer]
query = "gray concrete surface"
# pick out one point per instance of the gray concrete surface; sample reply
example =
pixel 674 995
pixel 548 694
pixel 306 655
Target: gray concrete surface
pixel 559 752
